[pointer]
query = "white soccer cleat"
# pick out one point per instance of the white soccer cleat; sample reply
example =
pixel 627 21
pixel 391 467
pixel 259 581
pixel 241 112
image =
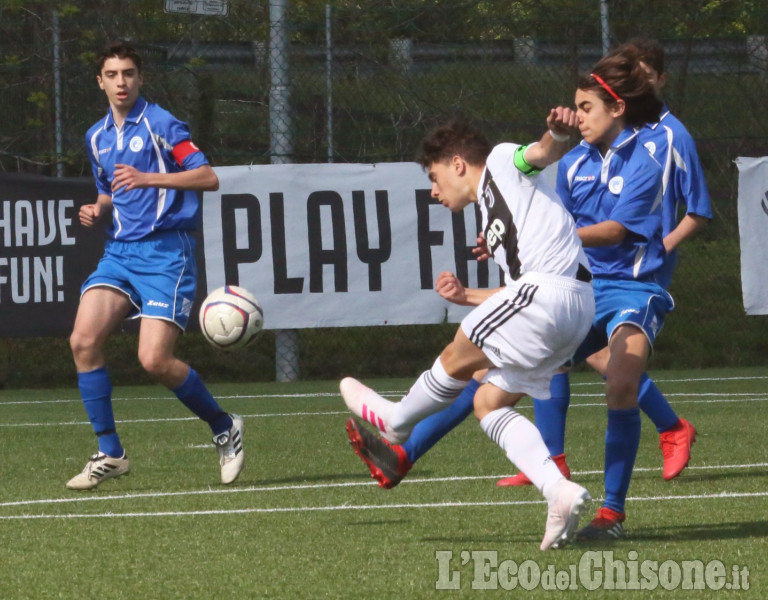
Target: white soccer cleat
pixel 100 467
pixel 564 513
pixel 230 447
pixel 370 407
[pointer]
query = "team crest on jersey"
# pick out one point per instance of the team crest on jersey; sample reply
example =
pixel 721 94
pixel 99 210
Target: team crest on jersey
pixel 490 199
pixel 616 184
pixel 651 147
pixel 136 143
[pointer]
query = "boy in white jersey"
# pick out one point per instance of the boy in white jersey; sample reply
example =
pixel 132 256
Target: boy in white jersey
pixel 147 173
pixel 521 332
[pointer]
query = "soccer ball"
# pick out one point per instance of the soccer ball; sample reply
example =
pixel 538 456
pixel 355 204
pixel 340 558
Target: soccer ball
pixel 230 317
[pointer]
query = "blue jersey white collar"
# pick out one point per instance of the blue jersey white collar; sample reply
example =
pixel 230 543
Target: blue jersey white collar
pixel 137 112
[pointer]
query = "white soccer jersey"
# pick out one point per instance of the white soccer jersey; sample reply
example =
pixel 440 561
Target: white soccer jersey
pixel 534 324
pixel 525 225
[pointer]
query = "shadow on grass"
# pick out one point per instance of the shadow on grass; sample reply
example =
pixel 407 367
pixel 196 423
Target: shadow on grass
pixel 707 531
pixel 686 533
pixel 697 476
pixel 340 478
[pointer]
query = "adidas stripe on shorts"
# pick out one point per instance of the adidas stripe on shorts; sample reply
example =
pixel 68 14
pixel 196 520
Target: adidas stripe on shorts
pixel 531 328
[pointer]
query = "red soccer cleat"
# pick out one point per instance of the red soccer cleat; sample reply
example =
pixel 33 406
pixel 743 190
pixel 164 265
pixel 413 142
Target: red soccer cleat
pixel 521 479
pixel 675 444
pixel 387 463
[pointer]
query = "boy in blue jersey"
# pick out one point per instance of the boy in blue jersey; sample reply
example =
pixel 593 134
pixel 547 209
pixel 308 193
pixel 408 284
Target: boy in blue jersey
pixel 148 173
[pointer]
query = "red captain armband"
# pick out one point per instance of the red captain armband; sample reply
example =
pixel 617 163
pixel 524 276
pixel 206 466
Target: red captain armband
pixel 184 149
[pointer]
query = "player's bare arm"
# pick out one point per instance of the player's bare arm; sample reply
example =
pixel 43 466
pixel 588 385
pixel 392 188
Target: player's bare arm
pixel 450 287
pixel 90 214
pixel 562 124
pixel 687 227
pixel 606 233
pixel 201 179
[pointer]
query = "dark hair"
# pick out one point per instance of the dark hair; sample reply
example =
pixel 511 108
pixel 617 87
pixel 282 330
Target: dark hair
pixel 651 52
pixel 456 137
pixel 118 49
pixel 622 72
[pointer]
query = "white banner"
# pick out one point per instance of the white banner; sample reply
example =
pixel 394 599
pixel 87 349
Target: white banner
pixel 332 245
pixel 753 232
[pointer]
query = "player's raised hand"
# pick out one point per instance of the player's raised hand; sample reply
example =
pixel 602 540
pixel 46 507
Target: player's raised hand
pixel 450 288
pixel 128 177
pixel 563 120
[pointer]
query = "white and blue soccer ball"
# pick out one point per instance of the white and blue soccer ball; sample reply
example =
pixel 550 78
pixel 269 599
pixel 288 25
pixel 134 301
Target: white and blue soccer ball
pixel 230 317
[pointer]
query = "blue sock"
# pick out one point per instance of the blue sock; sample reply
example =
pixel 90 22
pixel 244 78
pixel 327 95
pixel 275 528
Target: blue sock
pixel 622 438
pixel 196 397
pixel 653 403
pixel 96 392
pixel 550 414
pixel 429 431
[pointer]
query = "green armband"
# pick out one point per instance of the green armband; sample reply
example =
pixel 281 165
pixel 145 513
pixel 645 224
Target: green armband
pixel 522 166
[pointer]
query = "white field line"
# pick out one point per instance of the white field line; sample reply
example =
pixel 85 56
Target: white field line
pixel 327 486
pixel 390 393
pixel 351 507
pixel 717 398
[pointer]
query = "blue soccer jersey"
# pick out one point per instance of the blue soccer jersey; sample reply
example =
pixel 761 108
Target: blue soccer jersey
pixel 683 184
pixel 153 141
pixel 624 186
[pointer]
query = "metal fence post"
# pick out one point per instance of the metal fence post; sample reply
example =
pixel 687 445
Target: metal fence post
pixel 281 151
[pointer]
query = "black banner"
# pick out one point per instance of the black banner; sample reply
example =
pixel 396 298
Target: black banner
pixel 45 254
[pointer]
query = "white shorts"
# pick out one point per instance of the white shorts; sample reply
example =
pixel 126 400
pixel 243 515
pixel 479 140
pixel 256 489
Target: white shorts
pixel 531 328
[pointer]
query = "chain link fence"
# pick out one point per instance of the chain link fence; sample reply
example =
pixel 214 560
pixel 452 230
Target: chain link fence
pixel 288 81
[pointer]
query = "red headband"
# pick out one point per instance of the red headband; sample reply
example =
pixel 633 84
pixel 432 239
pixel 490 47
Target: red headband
pixel 606 86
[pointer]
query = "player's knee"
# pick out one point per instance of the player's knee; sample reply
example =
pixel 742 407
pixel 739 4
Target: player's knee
pixel 489 398
pixel 461 364
pixel 81 344
pixel 621 393
pixel 154 364
pixel 481 409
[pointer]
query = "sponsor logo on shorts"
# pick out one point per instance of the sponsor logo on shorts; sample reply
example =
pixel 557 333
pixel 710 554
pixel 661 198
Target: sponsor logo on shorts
pixel 493 349
pixel 186 307
pixel 654 325
pixel 158 303
pixel 629 311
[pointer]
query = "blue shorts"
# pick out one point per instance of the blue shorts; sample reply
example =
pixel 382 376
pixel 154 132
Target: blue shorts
pixel 625 302
pixel 157 273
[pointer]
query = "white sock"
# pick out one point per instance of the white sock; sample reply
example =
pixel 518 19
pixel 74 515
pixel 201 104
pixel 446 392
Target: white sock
pixel 432 392
pixel 523 445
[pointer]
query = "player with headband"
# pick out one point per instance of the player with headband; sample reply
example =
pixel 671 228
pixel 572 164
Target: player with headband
pixel 683 185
